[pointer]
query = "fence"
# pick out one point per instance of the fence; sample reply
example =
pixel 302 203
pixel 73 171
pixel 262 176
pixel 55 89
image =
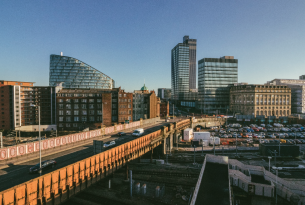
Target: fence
pixel 28 148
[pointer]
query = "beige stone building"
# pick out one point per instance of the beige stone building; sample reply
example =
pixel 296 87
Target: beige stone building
pixel 268 100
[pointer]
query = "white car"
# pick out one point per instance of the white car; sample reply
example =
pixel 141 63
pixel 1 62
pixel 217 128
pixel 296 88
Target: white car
pixel 111 143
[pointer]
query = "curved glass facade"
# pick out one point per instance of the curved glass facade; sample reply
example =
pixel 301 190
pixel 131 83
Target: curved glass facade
pixel 76 74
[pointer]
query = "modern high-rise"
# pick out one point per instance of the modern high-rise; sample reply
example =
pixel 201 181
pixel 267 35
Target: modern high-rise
pixel 215 75
pixel 74 73
pixel 183 67
pixel 164 93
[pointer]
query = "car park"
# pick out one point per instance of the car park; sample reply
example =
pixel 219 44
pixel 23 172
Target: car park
pixel 45 165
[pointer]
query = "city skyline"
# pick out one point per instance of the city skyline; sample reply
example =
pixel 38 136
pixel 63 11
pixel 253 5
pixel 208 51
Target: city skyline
pixel 266 38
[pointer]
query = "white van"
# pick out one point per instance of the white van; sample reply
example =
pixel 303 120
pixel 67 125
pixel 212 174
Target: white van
pixel 138 132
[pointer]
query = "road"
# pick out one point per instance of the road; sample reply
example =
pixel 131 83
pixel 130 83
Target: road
pixel 17 174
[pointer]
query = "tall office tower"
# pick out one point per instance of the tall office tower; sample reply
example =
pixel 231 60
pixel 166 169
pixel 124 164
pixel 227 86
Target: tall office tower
pixel 192 43
pixel 183 67
pixel 74 73
pixel 215 76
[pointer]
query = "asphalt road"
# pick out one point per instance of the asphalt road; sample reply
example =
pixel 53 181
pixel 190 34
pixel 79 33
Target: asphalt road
pixel 17 174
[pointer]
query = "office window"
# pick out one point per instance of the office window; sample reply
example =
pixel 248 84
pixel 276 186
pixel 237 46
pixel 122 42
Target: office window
pixel 76 112
pixel 99 106
pixel 68 119
pixel 61 119
pixel 91 112
pixel 99 119
pixel 91 106
pixel 91 119
pixel 68 106
pixel 60 106
pixel 114 112
pixel 68 112
pixel 99 112
pixel 74 125
pixel 61 112
pixel 68 100
pixel 84 112
pixel 91 100
pixel 68 125
pixel 129 106
pixel 129 111
pixel 99 100
pixel 60 100
pixel 84 106
pixel 84 119
pixel 76 119
pixel 76 101
pixel 60 125
pixel 76 106
pixel 129 117
pixel 84 100
pixel 114 106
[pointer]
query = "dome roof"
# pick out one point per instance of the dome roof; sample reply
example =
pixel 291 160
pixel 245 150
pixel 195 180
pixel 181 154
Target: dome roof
pixel 144 88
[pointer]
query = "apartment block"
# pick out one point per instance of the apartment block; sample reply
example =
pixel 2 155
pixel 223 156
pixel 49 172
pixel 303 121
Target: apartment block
pixel 17 110
pixel 267 100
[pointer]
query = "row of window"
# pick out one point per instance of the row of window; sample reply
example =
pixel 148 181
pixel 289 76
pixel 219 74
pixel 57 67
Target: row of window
pixel 76 106
pixel 82 119
pixel 124 100
pixel 79 100
pixel 124 106
pixel 83 112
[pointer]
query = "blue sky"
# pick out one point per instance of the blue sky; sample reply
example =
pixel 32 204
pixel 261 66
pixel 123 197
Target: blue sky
pixel 132 40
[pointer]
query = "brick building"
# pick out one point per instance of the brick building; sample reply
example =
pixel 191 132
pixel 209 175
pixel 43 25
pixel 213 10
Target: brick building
pixel 81 108
pixel 267 100
pixel 125 106
pixel 146 104
pixel 164 108
pixel 16 111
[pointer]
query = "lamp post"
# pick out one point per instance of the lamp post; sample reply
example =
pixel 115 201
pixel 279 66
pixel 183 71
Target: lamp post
pixel 269 162
pixel 39 137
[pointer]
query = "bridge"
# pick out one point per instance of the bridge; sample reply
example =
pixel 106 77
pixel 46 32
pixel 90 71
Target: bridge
pixel 57 186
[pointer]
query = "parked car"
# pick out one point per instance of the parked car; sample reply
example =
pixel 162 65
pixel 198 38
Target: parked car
pixel 45 165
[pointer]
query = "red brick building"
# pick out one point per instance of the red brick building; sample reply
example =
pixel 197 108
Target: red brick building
pixel 164 108
pixel 82 108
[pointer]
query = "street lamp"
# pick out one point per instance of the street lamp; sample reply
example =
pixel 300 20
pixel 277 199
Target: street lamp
pixel 39 137
pixel 269 162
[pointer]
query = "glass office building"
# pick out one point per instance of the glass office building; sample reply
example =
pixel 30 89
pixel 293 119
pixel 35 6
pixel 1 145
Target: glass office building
pixel 74 73
pixel 215 76
pixel 180 70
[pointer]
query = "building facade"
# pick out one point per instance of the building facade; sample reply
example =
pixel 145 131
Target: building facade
pixel 192 43
pixel 164 108
pixel 74 73
pixel 183 67
pixel 267 100
pixel 164 93
pixel 215 76
pixel 146 104
pixel 17 110
pixel 78 109
pixel 297 93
